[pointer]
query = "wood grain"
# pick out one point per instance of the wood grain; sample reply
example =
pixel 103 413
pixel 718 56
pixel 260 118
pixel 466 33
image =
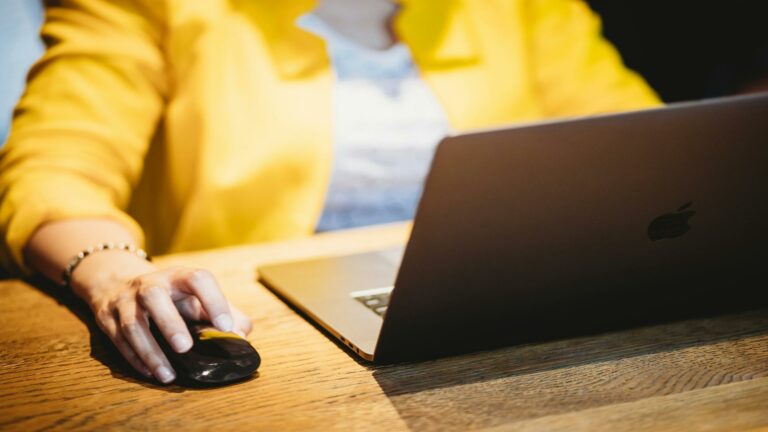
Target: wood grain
pixel 696 410
pixel 58 371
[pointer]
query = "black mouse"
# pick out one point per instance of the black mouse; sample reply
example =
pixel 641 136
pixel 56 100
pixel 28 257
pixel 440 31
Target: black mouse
pixel 216 357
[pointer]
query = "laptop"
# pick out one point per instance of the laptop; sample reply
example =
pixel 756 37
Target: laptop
pixel 559 229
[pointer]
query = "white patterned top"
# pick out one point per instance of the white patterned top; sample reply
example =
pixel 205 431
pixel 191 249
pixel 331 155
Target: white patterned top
pixel 387 123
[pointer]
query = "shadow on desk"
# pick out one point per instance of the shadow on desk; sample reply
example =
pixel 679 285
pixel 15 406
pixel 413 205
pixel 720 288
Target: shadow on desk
pixel 528 381
pixel 524 382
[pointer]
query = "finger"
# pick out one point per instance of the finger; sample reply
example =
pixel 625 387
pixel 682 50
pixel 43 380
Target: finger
pixel 203 285
pixel 243 324
pixel 157 302
pixel 109 326
pixel 190 308
pixel 134 327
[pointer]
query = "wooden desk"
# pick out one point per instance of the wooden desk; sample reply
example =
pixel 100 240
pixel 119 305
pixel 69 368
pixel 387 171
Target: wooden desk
pixel 58 372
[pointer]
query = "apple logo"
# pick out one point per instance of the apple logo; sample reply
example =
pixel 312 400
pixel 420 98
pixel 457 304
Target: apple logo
pixel 671 225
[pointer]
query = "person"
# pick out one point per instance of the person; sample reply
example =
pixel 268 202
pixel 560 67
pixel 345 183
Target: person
pixel 188 125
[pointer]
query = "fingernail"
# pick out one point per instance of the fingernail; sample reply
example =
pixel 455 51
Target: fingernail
pixel 223 322
pixel 164 374
pixel 181 343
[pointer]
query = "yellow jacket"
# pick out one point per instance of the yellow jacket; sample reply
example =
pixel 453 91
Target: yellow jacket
pixel 207 122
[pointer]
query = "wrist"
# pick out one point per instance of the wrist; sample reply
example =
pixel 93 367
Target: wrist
pixel 100 271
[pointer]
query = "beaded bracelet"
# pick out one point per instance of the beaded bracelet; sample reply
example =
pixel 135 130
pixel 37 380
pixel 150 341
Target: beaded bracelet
pixel 66 275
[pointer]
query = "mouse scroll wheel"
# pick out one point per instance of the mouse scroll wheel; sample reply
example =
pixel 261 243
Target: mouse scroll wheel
pixel 211 333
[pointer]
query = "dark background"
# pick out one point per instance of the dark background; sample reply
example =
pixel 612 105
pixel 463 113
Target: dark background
pixel 690 49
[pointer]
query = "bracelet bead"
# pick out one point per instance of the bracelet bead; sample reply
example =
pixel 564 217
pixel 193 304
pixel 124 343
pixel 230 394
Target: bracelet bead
pixel 66 275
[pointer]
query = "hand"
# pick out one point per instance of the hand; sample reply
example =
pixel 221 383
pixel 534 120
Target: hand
pixel 123 300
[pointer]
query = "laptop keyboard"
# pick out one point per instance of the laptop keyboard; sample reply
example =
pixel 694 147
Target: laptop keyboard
pixel 375 300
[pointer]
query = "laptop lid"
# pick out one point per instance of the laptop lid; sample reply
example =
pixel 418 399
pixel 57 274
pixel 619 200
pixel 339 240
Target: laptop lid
pixel 566 228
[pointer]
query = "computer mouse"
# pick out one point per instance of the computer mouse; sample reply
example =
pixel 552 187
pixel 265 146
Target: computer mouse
pixel 216 358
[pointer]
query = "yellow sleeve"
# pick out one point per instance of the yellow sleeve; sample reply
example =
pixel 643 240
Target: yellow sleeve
pixel 81 130
pixel 577 72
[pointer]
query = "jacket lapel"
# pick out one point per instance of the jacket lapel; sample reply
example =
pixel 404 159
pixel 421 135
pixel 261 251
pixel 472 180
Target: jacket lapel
pixel 436 31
